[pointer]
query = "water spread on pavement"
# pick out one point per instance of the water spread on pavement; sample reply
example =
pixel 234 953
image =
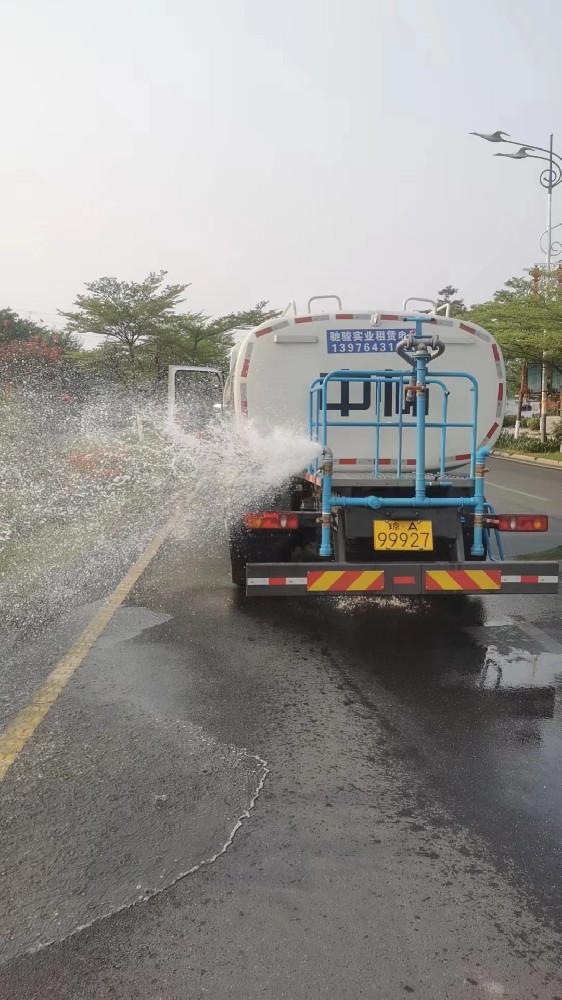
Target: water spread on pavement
pixel 81 493
pixel 133 795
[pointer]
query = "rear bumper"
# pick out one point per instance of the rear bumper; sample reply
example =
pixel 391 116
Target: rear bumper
pixel 309 579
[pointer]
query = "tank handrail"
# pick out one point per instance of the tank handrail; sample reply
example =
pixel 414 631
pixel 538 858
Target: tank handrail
pixel 317 298
pixel 445 307
pixel 354 375
pixel 319 421
pixel 291 307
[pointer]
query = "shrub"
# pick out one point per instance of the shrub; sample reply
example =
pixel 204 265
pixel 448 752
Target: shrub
pixel 534 423
pixel 556 432
pixel 527 445
pixel 510 420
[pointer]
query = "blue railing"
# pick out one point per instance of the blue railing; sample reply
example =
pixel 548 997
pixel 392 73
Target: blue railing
pixel 319 422
pixel 418 350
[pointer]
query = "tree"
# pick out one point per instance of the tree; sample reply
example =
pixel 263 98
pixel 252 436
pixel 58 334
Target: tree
pixel 514 288
pixel 128 312
pixel 525 317
pixel 30 365
pixel 17 328
pixel 195 339
pixel 446 296
pixel 33 357
pixel 14 327
pixel 246 319
pixel 218 332
pixel 187 342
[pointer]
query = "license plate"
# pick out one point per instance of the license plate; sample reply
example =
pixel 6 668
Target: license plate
pixel 403 536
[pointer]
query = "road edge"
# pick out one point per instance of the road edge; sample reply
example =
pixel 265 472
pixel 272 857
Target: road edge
pixel 527 460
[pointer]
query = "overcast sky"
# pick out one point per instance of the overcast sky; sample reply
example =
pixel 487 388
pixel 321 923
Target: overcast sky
pixel 272 150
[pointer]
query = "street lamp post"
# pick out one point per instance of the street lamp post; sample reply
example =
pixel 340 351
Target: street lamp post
pixel 550 177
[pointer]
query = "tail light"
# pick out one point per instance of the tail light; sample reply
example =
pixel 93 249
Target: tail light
pixel 520 522
pixel 272 520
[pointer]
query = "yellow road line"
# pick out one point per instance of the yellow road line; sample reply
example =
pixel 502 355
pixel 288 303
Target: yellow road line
pixel 22 728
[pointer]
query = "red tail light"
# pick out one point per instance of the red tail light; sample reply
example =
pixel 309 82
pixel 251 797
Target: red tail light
pixel 521 522
pixel 272 520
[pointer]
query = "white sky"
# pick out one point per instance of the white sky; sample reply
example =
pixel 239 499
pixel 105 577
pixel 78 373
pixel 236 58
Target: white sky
pixel 276 150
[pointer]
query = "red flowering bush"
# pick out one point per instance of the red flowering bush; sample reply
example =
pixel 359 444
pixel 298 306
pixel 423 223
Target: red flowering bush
pixel 25 358
pixel 96 464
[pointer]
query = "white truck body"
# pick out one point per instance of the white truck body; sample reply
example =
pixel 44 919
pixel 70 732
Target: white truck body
pixel 273 366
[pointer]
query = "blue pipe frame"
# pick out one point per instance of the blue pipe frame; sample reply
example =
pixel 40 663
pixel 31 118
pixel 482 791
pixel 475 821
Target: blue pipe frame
pixel 476 503
pixel 318 394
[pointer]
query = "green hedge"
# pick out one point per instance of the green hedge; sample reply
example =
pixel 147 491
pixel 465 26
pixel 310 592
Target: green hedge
pixel 510 420
pixel 506 442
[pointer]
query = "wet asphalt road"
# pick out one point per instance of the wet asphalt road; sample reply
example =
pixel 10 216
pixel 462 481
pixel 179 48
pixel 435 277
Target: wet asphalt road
pixel 395 770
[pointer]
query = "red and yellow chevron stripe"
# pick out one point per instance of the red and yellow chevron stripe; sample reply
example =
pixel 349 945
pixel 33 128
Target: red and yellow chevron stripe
pixel 463 579
pixel 349 581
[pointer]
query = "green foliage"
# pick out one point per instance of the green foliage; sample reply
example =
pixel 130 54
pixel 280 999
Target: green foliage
pixel 14 327
pixel 28 361
pixel 17 328
pixel 534 423
pixel 128 312
pixel 447 296
pixel 32 357
pixel 246 319
pixel 188 340
pixel 527 445
pixel 514 288
pixel 145 331
pixel 510 420
pixel 556 432
pixel 525 319
pixel 194 339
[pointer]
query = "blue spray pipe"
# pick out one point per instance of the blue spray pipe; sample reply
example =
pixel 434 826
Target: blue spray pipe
pixel 326 520
pixel 421 389
pixel 375 503
pixel 480 502
pixel 418 351
pixel 443 432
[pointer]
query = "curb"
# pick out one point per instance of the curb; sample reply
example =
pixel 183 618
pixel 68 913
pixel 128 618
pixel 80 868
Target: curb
pixel 527 459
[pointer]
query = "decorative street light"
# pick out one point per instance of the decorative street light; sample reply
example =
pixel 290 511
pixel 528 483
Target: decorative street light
pixel 550 177
pixel 555 245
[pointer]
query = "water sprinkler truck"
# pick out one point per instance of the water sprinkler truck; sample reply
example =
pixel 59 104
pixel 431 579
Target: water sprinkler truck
pixel 404 408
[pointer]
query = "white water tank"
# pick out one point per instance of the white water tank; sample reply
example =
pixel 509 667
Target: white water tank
pixel 274 365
